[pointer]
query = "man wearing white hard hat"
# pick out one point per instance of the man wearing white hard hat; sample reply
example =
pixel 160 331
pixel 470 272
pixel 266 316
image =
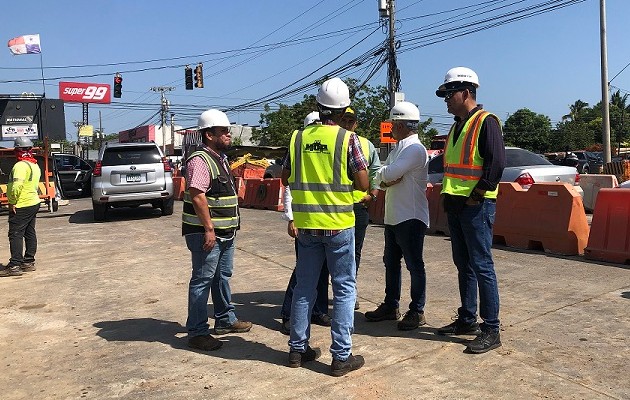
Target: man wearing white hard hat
pixel 404 178
pixel 474 159
pixel 210 220
pixel 324 165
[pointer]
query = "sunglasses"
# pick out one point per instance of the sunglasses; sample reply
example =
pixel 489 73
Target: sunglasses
pixel 451 93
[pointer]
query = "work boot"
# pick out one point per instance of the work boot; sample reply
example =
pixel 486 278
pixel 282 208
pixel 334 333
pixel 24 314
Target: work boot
pixel 204 342
pixel 296 359
pixel 236 327
pixel 412 320
pixel 382 313
pixel 321 320
pixel 340 368
pixel 458 327
pixel 485 341
pixel 11 270
pixel 27 267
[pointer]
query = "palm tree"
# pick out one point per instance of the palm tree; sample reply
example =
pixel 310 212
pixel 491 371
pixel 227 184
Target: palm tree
pixel 575 111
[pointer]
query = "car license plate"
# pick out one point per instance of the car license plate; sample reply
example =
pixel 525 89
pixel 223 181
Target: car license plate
pixel 133 178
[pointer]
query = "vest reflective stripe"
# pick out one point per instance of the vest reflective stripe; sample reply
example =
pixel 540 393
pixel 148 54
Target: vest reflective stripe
pixel 320 186
pixel 219 223
pixel 463 165
pixel 365 148
pixel 215 201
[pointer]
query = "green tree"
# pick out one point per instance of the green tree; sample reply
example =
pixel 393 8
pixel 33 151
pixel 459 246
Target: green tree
pixel 528 130
pixel 576 111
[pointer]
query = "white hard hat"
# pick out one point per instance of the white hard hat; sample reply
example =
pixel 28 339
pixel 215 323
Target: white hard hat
pixel 311 118
pixel 405 111
pixel 212 117
pixel 457 78
pixel 334 93
pixel 22 142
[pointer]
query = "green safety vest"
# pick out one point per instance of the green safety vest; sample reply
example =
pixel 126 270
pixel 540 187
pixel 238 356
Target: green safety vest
pixel 365 147
pixel 463 165
pixel 23 184
pixel 319 182
pixel 221 197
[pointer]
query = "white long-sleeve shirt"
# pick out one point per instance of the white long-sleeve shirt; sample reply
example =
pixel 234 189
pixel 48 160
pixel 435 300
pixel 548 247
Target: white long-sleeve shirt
pixel 406 199
pixel 287 214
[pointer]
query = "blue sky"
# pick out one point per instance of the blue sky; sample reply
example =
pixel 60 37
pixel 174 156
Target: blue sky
pixel 544 63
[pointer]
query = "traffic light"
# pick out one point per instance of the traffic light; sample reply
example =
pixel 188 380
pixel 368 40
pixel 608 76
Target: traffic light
pixel 199 75
pixel 188 78
pixel 117 86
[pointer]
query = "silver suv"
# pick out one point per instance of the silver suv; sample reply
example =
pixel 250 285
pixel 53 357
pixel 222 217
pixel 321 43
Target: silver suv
pixel 131 174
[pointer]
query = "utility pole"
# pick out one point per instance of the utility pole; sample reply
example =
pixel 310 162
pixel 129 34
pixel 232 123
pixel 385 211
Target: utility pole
pixel 163 111
pixel 173 132
pixel 393 74
pixel 604 70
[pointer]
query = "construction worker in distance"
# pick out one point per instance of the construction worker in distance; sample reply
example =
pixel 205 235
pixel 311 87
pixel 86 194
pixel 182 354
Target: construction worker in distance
pixel 24 204
pixel 319 315
pixel 362 200
pixel 474 159
pixel 404 177
pixel 210 220
pixel 324 164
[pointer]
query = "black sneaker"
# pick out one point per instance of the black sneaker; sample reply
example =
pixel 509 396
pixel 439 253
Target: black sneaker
pixel 321 319
pixel 204 342
pixel 285 328
pixel 485 341
pixel 28 267
pixel 382 313
pixel 411 320
pixel 296 359
pixel 13 270
pixel 459 328
pixel 340 368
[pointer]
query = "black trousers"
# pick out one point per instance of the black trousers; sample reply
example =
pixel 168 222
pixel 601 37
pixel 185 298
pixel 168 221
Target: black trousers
pixel 22 230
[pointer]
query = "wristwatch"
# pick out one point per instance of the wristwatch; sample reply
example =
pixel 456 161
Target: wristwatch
pixel 373 196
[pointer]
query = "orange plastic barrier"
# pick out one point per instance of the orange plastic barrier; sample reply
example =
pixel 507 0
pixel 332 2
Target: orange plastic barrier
pixel 239 183
pixel 438 222
pixel 591 184
pixel 249 171
pixel 264 193
pixel 548 216
pixel 376 209
pixel 179 186
pixel 610 228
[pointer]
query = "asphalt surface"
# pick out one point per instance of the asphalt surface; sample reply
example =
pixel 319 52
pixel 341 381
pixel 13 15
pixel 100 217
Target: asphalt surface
pixel 103 317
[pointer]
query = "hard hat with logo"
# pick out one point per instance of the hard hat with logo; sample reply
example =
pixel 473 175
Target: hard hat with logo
pixel 311 118
pixel 333 93
pixel 22 142
pixel 405 111
pixel 458 78
pixel 212 117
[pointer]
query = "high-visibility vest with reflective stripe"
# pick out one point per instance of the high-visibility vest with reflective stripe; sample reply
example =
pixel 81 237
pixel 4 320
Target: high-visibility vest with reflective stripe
pixel 463 165
pixel 365 148
pixel 23 184
pixel 221 197
pixel 319 182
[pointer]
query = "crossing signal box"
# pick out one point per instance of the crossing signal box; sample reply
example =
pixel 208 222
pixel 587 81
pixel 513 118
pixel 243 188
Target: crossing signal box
pixel 117 86
pixel 188 74
pixel 199 76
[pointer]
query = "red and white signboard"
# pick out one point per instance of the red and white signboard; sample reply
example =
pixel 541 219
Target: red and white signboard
pixel 75 92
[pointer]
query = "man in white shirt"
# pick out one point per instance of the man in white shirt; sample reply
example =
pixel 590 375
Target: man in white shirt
pixel 404 177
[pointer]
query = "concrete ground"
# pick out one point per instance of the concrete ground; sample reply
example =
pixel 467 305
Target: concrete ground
pixel 103 315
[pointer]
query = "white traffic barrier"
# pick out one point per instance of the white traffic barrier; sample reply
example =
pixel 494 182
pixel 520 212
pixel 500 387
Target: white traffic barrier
pixel 591 184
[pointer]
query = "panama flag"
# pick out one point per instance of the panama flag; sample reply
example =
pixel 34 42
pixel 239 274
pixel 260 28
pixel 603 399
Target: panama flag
pixel 27 44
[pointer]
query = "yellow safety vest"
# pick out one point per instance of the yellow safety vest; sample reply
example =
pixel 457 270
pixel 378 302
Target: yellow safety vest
pixel 365 147
pixel 319 182
pixel 463 165
pixel 23 183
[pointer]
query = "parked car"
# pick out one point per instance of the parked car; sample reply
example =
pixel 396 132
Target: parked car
pixel 522 167
pixel 131 174
pixel 74 175
pixel 589 162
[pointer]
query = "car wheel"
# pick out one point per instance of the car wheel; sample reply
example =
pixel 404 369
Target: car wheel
pixel 167 206
pixel 100 211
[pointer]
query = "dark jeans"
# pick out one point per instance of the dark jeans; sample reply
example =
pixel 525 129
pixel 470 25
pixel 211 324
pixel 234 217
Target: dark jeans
pixel 22 230
pixel 471 241
pixel 362 219
pixel 405 240
pixel 321 302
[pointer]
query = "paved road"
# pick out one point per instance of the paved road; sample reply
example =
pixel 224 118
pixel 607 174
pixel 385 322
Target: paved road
pixel 102 317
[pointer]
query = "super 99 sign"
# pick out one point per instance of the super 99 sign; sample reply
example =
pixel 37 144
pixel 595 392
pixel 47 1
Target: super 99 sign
pixel 75 92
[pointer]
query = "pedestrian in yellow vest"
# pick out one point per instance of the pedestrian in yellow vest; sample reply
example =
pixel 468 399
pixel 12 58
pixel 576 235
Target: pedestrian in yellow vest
pixel 474 160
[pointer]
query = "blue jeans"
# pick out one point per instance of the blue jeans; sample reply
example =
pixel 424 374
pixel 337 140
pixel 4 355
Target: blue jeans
pixel 321 302
pixel 405 240
pixel 471 241
pixel 210 269
pixel 338 251
pixel 361 221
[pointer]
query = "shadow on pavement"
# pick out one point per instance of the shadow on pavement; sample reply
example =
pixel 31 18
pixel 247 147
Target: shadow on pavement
pixel 261 308
pixel 116 214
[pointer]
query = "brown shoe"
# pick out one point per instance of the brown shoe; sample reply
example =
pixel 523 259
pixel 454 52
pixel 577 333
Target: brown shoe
pixel 13 270
pixel 28 267
pixel 236 327
pixel 204 342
